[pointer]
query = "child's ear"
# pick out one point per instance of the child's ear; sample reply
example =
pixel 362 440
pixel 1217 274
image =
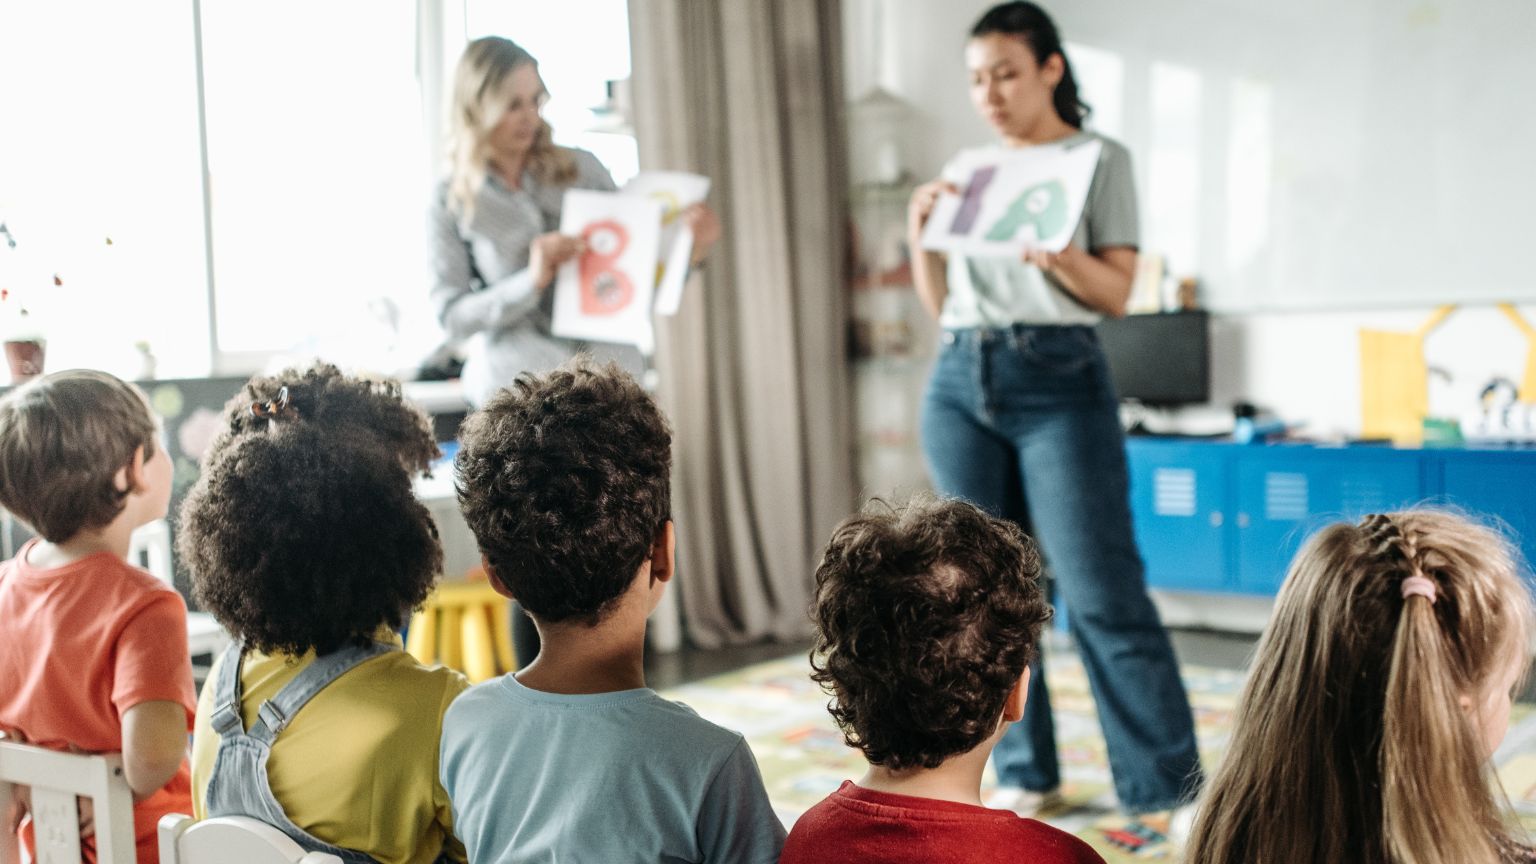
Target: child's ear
pixel 497 585
pixel 1013 706
pixel 127 479
pixel 663 552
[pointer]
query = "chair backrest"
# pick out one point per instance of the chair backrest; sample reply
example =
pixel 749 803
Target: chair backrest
pixel 56 779
pixel 231 840
pixel 150 547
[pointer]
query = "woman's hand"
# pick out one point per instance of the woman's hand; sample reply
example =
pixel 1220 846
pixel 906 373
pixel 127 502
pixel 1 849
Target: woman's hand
pixel 548 252
pixel 920 206
pixel 1046 260
pixel 705 225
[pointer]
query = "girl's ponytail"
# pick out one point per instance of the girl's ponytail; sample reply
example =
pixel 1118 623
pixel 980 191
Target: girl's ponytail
pixel 1435 801
pixel 1353 740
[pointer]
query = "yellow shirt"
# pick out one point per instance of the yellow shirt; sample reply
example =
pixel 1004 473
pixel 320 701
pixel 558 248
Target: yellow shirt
pixel 357 767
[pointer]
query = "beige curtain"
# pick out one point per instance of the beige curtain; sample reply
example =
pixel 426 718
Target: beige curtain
pixel 753 370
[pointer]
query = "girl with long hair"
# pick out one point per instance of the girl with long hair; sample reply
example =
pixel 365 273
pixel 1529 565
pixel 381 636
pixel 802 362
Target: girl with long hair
pixel 1380 690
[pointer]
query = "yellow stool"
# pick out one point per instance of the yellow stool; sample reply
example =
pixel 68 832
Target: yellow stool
pixel 467 626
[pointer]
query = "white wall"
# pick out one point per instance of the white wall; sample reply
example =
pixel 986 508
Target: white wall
pixel 1286 335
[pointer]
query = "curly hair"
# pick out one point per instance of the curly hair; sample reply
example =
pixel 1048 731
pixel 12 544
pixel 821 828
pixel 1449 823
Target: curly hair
pixel 347 405
pixel 305 540
pixel 63 438
pixel 926 615
pixel 564 479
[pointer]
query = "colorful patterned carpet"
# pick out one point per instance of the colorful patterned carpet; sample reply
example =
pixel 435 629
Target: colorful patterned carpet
pixel 803 758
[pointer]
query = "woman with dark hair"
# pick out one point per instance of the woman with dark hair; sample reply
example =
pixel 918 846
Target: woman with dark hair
pixel 1021 419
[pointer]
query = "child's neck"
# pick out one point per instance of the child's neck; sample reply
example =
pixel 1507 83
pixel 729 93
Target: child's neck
pixel 958 779
pixel 577 659
pixel 115 538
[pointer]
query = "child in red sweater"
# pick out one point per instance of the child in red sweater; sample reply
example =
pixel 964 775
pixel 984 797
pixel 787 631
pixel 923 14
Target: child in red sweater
pixel 927 617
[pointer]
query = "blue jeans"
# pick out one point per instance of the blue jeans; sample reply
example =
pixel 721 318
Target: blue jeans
pixel 1022 422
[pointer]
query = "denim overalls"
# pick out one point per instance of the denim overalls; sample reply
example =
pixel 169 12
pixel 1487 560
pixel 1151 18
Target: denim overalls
pixel 239 785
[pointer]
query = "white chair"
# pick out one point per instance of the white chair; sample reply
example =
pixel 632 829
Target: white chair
pixel 56 780
pixel 231 840
pixel 150 548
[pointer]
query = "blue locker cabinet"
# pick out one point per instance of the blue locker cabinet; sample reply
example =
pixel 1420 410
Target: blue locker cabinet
pixel 1217 516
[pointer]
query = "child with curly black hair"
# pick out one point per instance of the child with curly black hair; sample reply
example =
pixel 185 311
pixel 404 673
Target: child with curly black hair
pixel 348 405
pixel 927 617
pixel 564 480
pixel 306 542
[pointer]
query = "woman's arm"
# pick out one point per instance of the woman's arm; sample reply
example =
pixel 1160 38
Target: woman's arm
pixel 1100 281
pixel 928 267
pixel 463 311
pixel 460 309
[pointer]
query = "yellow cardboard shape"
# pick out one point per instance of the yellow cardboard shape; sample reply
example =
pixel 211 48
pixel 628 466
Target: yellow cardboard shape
pixel 1394 381
pixel 1528 382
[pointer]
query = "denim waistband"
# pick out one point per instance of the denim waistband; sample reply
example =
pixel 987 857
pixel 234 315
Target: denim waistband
pixel 1011 333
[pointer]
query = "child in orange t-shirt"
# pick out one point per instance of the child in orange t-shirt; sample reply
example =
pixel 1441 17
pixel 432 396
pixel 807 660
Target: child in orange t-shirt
pixel 95 650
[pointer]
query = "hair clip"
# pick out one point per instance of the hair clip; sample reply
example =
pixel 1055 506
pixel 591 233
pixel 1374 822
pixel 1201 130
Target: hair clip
pixel 281 408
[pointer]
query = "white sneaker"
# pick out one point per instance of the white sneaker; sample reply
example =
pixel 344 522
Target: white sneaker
pixel 1025 802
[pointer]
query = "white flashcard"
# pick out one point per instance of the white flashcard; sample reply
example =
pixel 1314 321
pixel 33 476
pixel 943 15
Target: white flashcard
pixel 1013 200
pixel 605 293
pixel 675 191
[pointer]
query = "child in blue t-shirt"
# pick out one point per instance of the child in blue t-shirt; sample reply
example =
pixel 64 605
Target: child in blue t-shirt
pixel 564 479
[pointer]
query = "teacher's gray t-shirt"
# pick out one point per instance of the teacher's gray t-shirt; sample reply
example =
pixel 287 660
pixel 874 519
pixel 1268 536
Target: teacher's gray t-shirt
pixel 999 292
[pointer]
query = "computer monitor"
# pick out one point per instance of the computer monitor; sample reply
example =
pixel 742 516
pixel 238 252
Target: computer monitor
pixel 1160 359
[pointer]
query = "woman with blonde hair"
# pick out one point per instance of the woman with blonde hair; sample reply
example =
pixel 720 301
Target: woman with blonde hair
pixel 494 222
pixel 495 236
pixel 1380 690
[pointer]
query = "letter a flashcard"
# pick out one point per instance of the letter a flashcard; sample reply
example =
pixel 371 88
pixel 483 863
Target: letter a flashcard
pixel 1013 200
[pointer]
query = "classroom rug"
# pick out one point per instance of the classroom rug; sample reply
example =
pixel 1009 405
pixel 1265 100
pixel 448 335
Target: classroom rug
pixel 803 758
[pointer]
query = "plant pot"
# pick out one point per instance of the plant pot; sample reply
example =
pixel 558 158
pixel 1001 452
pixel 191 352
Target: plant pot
pixel 25 357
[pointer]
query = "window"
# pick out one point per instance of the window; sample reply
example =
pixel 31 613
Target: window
pixel 318 178
pixel 322 124
pixel 101 141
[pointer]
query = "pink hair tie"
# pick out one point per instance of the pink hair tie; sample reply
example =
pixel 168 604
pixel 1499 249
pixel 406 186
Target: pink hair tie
pixel 1420 585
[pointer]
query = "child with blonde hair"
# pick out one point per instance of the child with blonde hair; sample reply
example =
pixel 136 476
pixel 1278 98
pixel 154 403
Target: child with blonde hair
pixel 1380 690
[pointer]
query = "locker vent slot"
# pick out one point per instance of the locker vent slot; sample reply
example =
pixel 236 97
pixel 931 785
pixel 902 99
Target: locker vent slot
pixel 1173 492
pixel 1285 497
